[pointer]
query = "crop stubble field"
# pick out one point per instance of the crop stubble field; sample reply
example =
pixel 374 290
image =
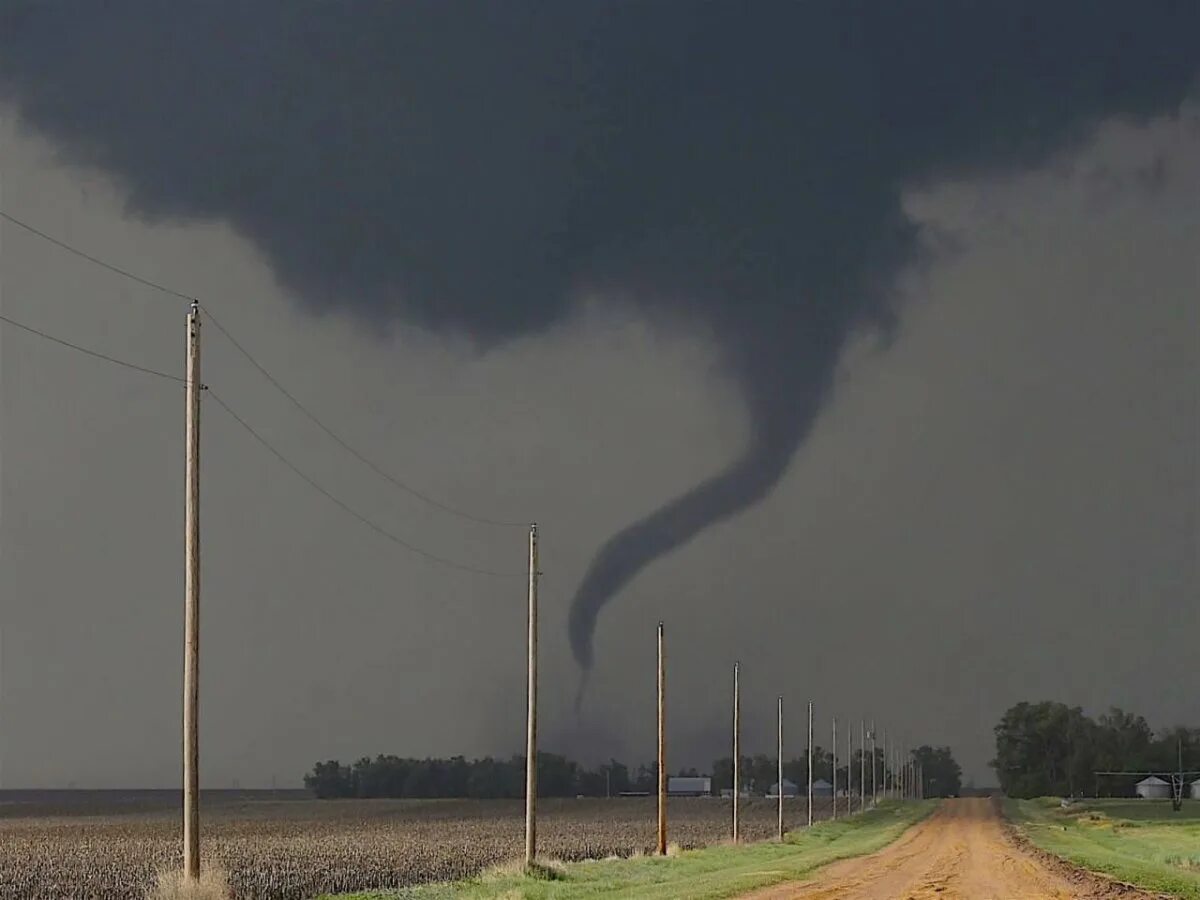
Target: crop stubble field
pixel 108 845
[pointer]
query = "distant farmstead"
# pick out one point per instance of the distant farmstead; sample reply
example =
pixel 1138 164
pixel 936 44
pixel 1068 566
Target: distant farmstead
pixel 822 788
pixel 789 789
pixel 689 786
pixel 1153 788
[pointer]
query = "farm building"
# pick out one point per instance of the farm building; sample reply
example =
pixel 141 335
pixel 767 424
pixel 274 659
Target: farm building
pixel 689 786
pixel 1195 789
pixel 822 788
pixel 1153 788
pixel 727 793
pixel 789 789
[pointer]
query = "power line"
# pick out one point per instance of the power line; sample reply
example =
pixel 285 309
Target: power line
pixel 92 353
pixel 96 260
pixel 338 439
pixel 258 437
pixel 341 442
pixel 374 526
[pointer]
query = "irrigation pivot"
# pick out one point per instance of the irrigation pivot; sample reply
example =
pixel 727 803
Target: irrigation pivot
pixel 1178 779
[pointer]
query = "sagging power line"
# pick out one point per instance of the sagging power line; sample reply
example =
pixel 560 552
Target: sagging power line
pixel 96 354
pixel 362 458
pixel 333 498
pixel 374 526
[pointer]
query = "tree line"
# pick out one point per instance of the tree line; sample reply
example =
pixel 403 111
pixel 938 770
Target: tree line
pixel 558 776
pixel 1051 749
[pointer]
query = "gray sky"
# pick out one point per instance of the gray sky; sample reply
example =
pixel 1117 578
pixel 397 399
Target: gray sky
pixel 997 499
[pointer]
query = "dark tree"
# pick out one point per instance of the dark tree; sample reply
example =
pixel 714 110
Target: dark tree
pixel 941 775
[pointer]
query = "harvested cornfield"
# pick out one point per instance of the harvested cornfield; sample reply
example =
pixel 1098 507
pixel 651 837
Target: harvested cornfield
pixel 109 845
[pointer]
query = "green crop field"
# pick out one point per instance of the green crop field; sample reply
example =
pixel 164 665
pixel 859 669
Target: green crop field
pixel 1142 842
pixel 708 874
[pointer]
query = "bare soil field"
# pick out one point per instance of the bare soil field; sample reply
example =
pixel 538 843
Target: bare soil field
pixel 963 851
pixel 108 845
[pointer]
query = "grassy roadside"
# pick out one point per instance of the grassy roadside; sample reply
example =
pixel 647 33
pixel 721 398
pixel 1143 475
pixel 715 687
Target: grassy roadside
pixel 707 874
pixel 1138 841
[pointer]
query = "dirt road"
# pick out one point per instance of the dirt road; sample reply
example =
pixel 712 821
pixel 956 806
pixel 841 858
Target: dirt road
pixel 961 851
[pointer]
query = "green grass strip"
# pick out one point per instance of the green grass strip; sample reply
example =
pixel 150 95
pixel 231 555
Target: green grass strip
pixel 1142 842
pixel 706 874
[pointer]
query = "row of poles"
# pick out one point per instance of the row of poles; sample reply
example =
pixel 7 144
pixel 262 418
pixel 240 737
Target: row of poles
pixel 902 774
pixel 906 776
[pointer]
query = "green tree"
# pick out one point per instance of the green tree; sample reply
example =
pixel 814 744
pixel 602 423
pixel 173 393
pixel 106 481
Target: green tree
pixel 330 779
pixel 1044 749
pixel 941 775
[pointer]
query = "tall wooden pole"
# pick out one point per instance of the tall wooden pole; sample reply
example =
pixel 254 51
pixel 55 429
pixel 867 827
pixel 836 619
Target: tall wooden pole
pixel 833 766
pixel 662 746
pixel 779 772
pixel 884 762
pixel 531 708
pixel 191 608
pixel 874 768
pixel 737 748
pixel 810 763
pixel 862 765
pixel 849 767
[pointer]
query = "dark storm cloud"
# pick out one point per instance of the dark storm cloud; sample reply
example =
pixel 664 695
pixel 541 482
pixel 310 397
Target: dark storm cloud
pixel 472 167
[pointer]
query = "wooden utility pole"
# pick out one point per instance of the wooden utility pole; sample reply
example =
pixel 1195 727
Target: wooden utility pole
pixel 779 772
pixel 810 763
pixel 849 766
pixel 662 746
pixel 862 765
pixel 883 767
pixel 737 748
pixel 874 768
pixel 191 607
pixel 833 766
pixel 531 708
